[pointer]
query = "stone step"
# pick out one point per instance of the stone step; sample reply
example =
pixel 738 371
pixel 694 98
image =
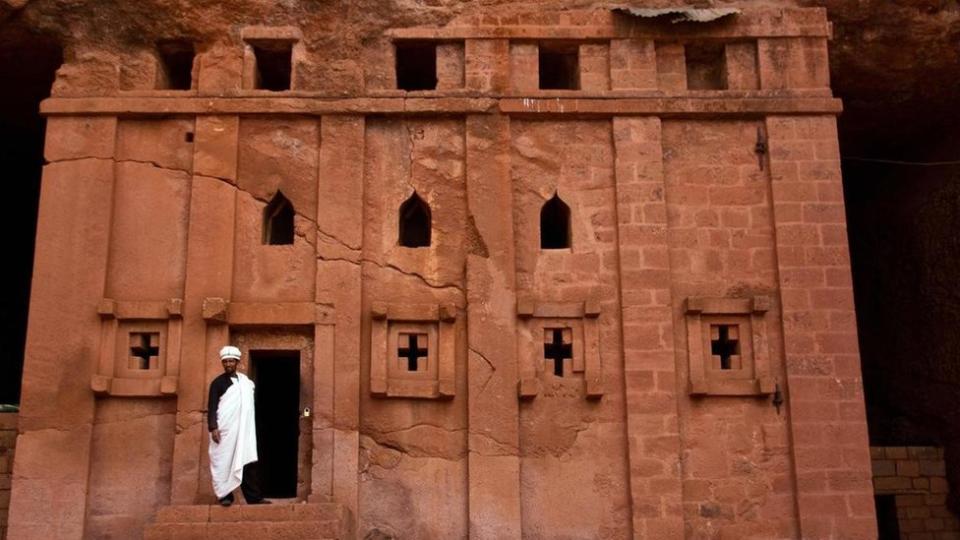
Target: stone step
pixel 243 521
pixel 251 512
pixel 245 530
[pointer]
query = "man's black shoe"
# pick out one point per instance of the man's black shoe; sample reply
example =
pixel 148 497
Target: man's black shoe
pixel 226 501
pixel 261 501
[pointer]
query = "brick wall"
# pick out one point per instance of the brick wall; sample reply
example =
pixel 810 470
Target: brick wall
pixel 8 438
pixel 916 477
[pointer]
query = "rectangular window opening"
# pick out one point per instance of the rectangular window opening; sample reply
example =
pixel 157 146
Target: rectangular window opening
pixel 175 69
pixel 416 64
pixel 706 66
pixel 274 64
pixel 559 66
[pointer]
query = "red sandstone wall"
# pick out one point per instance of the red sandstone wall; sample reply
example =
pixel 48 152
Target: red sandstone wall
pixel 573 460
pixel 412 465
pixel 737 469
pixel 138 211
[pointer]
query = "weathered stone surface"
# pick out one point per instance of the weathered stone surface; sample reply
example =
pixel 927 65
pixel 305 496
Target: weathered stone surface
pixel 667 192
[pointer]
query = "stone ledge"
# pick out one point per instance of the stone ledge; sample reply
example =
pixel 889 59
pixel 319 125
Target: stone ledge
pixel 529 106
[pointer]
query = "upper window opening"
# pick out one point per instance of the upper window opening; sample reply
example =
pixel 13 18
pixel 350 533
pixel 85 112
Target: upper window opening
pixel 175 69
pixel 414 222
pixel 278 221
pixel 273 59
pixel 416 66
pixel 559 67
pixel 555 224
pixel 706 66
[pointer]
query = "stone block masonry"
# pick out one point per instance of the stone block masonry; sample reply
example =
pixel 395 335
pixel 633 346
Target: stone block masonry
pixel 914 477
pixel 8 440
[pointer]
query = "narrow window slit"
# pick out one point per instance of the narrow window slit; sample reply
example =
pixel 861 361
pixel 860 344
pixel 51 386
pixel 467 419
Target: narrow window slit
pixel 416 65
pixel 274 64
pixel 278 221
pixel 559 67
pixel 175 66
pixel 706 66
pixel 555 224
pixel 415 222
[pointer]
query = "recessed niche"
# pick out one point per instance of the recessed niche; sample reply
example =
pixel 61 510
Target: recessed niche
pixel 559 66
pixel 555 224
pixel 706 66
pixel 175 65
pixel 278 221
pixel 416 65
pixel 273 61
pixel 414 226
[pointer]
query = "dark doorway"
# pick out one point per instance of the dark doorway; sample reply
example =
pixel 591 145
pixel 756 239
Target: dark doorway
pixel 887 524
pixel 277 376
pixel 28 64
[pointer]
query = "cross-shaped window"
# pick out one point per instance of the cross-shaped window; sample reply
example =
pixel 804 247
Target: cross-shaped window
pixel 557 347
pixel 412 347
pixel 725 343
pixel 143 347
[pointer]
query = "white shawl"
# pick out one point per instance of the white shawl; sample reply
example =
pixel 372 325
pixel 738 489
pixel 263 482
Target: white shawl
pixel 238 437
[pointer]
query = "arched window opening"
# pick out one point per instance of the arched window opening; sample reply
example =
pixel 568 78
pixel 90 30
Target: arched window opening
pixel 414 222
pixel 555 224
pixel 278 221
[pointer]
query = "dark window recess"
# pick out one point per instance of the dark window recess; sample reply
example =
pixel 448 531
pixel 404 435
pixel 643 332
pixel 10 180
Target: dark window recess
pixel 278 221
pixel 556 349
pixel 414 222
pixel 412 348
pixel 887 524
pixel 706 66
pixel 555 224
pixel 176 65
pixel 273 65
pixel 144 350
pixel 559 67
pixel 726 345
pixel 416 66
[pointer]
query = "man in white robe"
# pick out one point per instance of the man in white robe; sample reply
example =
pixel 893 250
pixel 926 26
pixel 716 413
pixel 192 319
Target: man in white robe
pixel 233 432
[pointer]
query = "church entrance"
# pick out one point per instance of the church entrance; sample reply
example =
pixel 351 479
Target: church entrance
pixel 277 376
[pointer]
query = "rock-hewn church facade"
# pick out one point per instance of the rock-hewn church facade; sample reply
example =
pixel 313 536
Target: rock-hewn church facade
pixel 552 274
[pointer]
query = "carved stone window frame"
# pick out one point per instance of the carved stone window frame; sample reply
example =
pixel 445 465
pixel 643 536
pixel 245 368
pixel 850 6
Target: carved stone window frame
pixel 749 314
pixel 119 319
pixel 438 321
pixel 251 35
pixel 582 318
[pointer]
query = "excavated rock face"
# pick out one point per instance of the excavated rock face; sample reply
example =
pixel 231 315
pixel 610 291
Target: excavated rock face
pixel 894 63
